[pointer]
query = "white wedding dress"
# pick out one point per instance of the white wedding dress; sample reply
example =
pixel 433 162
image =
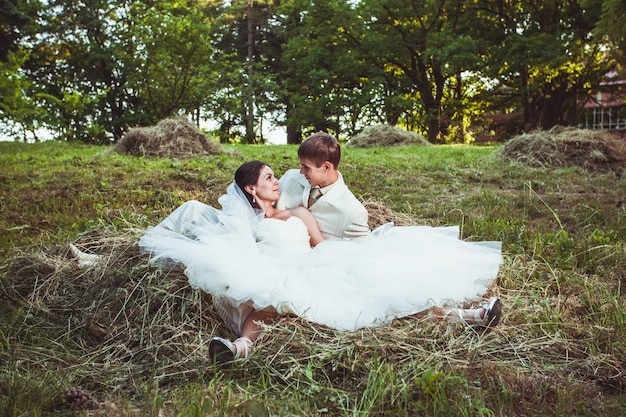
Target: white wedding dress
pixel 347 285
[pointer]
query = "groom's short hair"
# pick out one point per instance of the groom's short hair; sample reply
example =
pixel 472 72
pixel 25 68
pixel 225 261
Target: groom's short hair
pixel 319 148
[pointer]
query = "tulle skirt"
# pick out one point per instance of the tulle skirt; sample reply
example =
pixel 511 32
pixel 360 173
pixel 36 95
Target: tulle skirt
pixel 346 285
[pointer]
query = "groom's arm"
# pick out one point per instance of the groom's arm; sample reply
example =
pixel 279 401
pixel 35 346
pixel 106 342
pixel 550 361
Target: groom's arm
pixel 356 230
pixel 359 226
pixel 345 218
pixel 291 190
pixel 354 214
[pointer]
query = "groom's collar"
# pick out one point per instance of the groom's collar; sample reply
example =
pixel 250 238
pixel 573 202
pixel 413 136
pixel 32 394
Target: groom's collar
pixel 331 186
pixel 334 191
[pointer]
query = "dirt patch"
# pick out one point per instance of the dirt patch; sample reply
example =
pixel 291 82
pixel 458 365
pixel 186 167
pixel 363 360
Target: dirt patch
pixel 386 135
pixel 173 138
pixel 561 147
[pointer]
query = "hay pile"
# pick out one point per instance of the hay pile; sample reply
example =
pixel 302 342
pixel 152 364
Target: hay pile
pixel 561 147
pixel 122 326
pixel 174 138
pixel 379 214
pixel 386 135
pixel 123 322
pixel 129 323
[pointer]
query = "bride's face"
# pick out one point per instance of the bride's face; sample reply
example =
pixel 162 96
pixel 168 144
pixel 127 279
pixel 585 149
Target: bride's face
pixel 266 188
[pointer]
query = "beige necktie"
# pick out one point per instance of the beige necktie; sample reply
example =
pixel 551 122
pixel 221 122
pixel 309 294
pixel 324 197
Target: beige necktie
pixel 314 194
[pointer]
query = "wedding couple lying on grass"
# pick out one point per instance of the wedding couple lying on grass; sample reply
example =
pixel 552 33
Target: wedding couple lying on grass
pixel 302 245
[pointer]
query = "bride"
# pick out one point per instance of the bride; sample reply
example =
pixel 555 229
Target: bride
pixel 258 262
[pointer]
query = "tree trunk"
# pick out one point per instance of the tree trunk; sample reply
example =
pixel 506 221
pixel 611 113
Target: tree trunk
pixel 250 92
pixel 529 120
pixel 294 135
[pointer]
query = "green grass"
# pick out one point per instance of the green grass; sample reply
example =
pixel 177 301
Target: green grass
pixel 559 351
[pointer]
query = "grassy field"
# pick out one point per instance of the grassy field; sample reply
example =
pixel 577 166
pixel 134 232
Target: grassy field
pixel 134 338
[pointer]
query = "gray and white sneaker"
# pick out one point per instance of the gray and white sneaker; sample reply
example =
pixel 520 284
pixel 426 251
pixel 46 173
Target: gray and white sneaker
pixel 221 350
pixel 493 313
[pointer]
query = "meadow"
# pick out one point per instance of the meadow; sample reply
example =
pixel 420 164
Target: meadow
pixel 131 339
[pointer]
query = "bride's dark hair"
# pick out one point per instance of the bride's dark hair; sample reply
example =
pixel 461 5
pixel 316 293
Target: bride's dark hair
pixel 248 174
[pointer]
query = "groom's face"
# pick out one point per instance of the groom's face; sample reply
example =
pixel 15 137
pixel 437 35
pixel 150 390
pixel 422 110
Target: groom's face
pixel 315 175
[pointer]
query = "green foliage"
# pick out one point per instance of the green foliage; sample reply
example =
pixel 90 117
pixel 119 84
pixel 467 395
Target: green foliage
pixel 531 57
pixel 610 24
pixel 75 68
pixel 19 112
pixel 248 49
pixel 96 68
pixel 171 65
pixel 323 69
pixel 14 16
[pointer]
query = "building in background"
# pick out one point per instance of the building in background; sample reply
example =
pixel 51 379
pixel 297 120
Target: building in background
pixel 606 108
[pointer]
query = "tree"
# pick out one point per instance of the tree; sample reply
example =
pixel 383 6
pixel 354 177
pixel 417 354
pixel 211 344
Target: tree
pixel 544 56
pixel 171 61
pixel 19 112
pixel 13 18
pixel 92 68
pixel 103 66
pixel 610 25
pixel 244 59
pixel 321 78
pixel 75 65
pixel 422 49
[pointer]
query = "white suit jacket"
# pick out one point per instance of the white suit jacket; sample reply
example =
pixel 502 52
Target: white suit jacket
pixel 338 212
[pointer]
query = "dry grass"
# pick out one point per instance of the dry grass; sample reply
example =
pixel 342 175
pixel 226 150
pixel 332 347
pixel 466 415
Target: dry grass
pixel 130 322
pixel 131 325
pixel 127 324
pixel 136 336
pixel 386 135
pixel 567 147
pixel 380 214
pixel 174 138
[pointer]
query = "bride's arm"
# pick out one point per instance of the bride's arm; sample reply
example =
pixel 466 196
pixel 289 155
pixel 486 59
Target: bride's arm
pixel 309 221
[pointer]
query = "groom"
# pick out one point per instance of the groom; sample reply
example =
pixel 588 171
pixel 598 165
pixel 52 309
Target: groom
pixel 319 186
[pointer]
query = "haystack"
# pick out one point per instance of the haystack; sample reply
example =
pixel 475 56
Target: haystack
pixel 379 214
pixel 593 150
pixel 131 323
pixel 386 135
pixel 173 138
